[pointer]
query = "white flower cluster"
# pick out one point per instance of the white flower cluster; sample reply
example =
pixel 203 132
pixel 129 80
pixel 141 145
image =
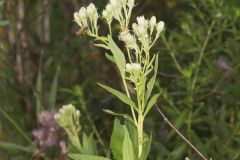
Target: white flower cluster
pixel 68 118
pixel 120 10
pixel 144 30
pixel 129 40
pixel 134 69
pixel 87 17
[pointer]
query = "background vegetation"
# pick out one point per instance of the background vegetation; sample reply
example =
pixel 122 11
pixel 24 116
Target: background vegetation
pixel 44 64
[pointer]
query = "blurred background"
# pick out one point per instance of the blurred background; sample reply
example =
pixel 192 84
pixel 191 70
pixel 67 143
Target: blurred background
pixel 44 64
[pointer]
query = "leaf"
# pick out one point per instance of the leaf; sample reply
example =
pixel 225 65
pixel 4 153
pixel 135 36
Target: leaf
pixel 127 148
pixel 86 157
pixel 118 56
pixel 152 80
pixel 110 57
pixel 132 129
pixel 198 142
pixel 53 91
pixel 88 145
pixel 16 126
pixel 146 146
pixel 126 116
pixel 151 103
pixel 120 95
pixel 39 89
pixel 180 120
pixel 102 46
pixel 16 147
pixel 116 142
pixel 177 152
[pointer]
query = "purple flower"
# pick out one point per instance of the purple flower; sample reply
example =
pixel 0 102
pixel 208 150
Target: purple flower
pixel 50 134
pixel 221 65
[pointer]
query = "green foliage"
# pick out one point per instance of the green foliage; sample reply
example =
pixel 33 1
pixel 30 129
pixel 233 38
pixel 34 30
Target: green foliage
pixel 116 141
pixel 120 95
pixel 127 148
pixel 53 91
pixel 86 157
pixel 118 56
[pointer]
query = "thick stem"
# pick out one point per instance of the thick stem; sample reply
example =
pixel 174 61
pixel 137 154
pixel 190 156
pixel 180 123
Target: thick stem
pixel 140 135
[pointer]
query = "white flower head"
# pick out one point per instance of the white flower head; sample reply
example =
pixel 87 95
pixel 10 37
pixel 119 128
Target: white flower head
pixel 153 22
pixel 128 67
pixel 129 40
pixel 108 13
pixel 136 67
pixel 83 12
pixel 91 9
pixel 114 3
pixel 160 26
pixel 130 3
pixel 133 68
pixel 141 20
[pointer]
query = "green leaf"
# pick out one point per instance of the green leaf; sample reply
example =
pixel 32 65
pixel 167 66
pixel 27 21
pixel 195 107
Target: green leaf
pixel 53 92
pixel 126 116
pixel 195 139
pixel 151 103
pixel 127 148
pixel 89 145
pixel 120 95
pixel 178 151
pixel 118 56
pixel 151 82
pixel 146 146
pixel 86 157
pixel 110 57
pixel 16 126
pixel 116 142
pixel 102 46
pixel 15 147
pixel 180 120
pixel 132 129
pixel 39 89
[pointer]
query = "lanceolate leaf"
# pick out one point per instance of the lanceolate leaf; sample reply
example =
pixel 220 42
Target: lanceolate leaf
pixel 53 92
pixel 151 103
pixel 86 157
pixel 151 82
pixel 146 146
pixel 110 57
pixel 120 95
pixel 127 148
pixel 118 56
pixel 132 129
pixel 126 116
pixel 116 142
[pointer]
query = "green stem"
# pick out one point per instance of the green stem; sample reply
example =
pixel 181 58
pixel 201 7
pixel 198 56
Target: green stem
pixel 132 110
pixel 140 135
pixel 201 54
pixel 173 56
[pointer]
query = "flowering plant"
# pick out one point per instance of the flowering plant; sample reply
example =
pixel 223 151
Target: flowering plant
pixel 138 68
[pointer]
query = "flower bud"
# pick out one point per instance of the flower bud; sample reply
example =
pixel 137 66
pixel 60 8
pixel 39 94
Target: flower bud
pixel 83 12
pixel 152 21
pixel 130 3
pixel 91 9
pixel 141 20
pixel 114 3
pixel 134 27
pixel 160 26
pixel 136 67
pixel 104 14
pixel 128 67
